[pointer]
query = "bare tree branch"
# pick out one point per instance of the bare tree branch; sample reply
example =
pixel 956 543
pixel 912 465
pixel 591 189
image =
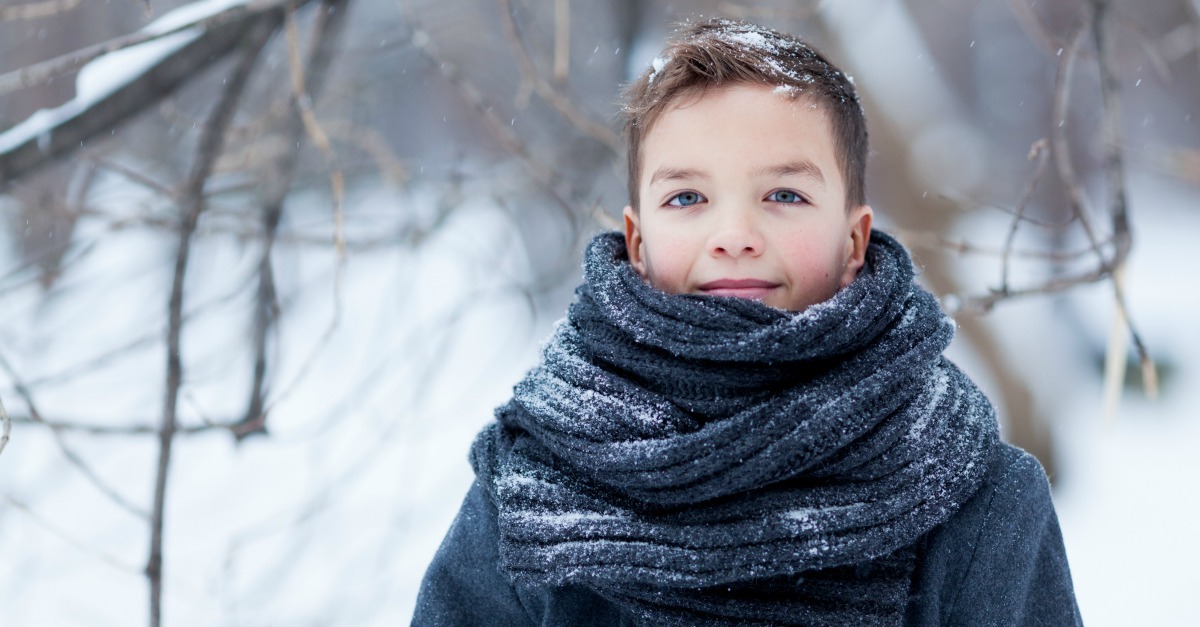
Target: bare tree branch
pixel 1114 143
pixel 531 77
pixel 1037 153
pixel 142 428
pixel 307 80
pixel 317 134
pixel 211 137
pixel 88 428
pixel 1114 172
pixel 932 240
pixel 1077 199
pixel 473 96
pixel 133 175
pixel 1108 267
pixel 332 10
pixel 31 75
pixel 218 38
pixel 1033 26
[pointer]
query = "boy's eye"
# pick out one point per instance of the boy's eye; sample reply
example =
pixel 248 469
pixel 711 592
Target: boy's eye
pixel 685 199
pixel 784 196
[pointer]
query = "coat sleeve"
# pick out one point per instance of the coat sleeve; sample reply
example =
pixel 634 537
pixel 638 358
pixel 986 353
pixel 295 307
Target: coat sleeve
pixel 464 584
pixel 1001 559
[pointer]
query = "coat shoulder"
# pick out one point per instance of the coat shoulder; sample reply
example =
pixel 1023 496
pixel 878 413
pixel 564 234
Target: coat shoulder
pixel 1000 559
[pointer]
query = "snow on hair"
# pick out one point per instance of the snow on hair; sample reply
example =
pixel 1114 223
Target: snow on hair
pixel 722 52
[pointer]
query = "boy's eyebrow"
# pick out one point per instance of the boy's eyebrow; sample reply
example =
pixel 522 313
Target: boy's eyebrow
pixel 677 174
pixel 804 168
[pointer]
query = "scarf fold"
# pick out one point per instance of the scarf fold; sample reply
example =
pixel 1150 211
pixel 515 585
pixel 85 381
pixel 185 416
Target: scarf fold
pixel 706 460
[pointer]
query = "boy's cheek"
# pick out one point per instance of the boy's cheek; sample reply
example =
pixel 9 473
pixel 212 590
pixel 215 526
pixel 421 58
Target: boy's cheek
pixel 665 268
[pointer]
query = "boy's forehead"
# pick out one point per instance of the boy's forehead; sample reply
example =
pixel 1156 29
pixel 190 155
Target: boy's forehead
pixel 799 104
pixel 784 123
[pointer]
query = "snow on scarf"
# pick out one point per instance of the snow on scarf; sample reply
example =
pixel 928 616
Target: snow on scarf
pixel 702 460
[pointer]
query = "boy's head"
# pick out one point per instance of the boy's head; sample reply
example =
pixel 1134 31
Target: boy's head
pixel 747 159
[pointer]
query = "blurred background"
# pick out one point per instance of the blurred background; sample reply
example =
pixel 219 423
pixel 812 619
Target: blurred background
pixel 266 268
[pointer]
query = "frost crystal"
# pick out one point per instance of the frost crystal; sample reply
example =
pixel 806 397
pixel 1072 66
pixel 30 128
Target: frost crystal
pixel 755 40
pixel 658 64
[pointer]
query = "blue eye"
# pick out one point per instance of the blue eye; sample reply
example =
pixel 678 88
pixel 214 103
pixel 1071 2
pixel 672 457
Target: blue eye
pixel 785 196
pixel 685 199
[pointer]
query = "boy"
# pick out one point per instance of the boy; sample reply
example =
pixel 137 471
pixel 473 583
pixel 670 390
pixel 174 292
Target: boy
pixel 746 417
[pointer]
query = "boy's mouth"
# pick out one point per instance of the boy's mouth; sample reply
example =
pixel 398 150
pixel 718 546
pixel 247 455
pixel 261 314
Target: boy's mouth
pixel 738 288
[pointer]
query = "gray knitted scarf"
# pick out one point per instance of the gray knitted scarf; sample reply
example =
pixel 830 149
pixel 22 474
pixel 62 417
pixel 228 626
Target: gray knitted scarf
pixel 708 460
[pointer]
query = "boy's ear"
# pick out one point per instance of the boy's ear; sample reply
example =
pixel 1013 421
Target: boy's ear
pixel 859 237
pixel 633 241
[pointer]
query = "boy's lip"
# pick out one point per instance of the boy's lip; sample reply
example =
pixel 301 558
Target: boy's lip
pixel 738 288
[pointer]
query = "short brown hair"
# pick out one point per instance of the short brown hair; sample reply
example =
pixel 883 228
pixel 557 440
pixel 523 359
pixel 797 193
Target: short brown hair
pixel 720 53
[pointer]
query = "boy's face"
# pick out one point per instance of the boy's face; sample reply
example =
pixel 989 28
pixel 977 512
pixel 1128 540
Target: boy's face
pixel 741 195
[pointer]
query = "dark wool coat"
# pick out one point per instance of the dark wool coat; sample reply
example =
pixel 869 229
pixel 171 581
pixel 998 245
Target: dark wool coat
pixel 998 561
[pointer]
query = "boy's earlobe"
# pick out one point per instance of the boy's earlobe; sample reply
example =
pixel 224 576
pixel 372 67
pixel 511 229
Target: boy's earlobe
pixel 633 241
pixel 860 238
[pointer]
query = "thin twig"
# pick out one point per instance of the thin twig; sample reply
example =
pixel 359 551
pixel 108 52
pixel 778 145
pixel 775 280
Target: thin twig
pixel 933 240
pixel 544 88
pixel 209 146
pixel 1114 142
pixel 1107 266
pixel 1115 355
pixel 964 204
pixel 102 359
pixel 1160 65
pixel 29 266
pixel 1114 173
pixel 307 79
pixel 69 453
pixel 87 427
pixel 1033 26
pixel 139 429
pixel 274 146
pixel 312 125
pixel 54 530
pixel 470 93
pixel 251 232
pixel 321 140
pixel 984 303
pixel 1076 198
pixel 135 175
pixel 1037 152
pixel 1149 370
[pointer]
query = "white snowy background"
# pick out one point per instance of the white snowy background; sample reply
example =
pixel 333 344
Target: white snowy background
pixel 384 368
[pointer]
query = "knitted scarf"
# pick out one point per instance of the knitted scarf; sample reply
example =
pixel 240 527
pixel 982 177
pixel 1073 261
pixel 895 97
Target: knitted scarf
pixel 711 460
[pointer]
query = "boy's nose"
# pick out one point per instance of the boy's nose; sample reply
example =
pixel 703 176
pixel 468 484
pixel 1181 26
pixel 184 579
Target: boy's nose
pixel 735 234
